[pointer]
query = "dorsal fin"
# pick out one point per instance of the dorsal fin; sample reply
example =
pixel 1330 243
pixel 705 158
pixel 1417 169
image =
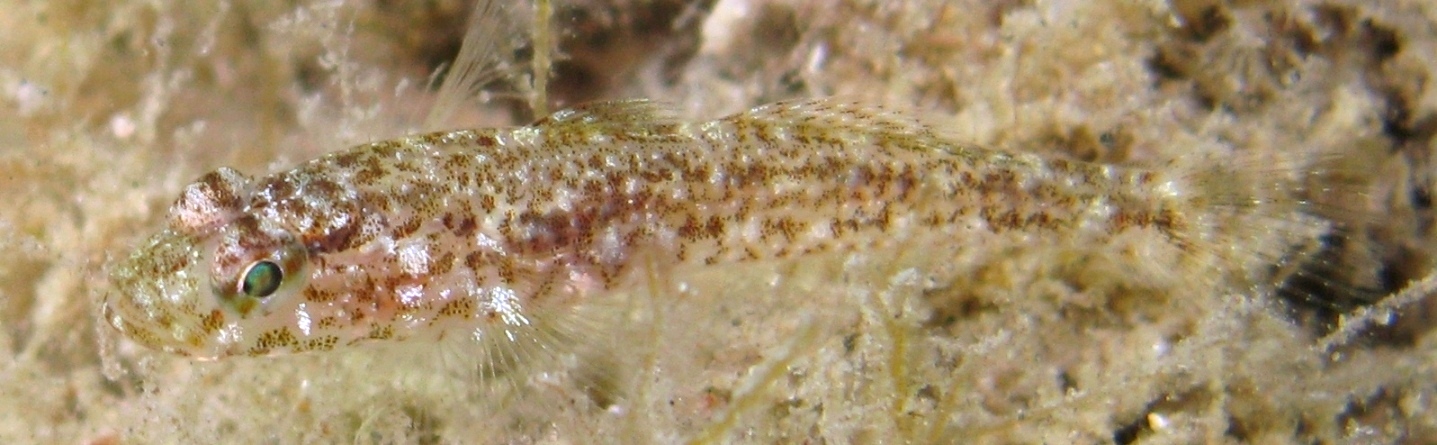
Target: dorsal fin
pixel 839 114
pixel 846 118
pixel 628 113
pixel 632 118
pixel 485 57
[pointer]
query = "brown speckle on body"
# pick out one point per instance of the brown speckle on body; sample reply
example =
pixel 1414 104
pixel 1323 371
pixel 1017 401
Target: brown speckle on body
pixel 408 239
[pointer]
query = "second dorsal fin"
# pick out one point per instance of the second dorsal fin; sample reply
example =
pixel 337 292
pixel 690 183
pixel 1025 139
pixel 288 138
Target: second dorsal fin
pixel 841 115
pixel 631 113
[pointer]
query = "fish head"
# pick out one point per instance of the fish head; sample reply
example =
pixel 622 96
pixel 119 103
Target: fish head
pixel 213 282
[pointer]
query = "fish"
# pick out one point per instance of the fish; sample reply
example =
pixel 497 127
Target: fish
pixel 505 237
pixel 487 233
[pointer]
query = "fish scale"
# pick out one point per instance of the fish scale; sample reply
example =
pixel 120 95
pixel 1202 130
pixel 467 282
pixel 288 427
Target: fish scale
pixel 480 232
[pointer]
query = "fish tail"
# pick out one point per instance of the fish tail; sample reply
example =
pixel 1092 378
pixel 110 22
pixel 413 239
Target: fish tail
pixel 1269 215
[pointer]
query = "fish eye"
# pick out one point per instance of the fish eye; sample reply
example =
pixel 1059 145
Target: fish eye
pixel 261 279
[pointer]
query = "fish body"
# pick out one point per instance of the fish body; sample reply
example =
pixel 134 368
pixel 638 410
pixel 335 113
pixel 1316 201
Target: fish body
pixel 482 232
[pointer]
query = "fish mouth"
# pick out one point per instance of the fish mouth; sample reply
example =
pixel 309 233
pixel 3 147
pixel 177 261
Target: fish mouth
pixel 155 299
pixel 158 328
pixel 141 332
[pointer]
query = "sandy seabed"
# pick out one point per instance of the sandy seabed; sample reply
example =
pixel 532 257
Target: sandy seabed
pixel 110 108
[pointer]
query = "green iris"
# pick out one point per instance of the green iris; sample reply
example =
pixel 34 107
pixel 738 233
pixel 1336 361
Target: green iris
pixel 262 279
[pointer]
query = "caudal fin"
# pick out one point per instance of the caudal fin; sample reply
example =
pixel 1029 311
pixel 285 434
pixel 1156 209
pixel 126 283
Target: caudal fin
pixel 1276 219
